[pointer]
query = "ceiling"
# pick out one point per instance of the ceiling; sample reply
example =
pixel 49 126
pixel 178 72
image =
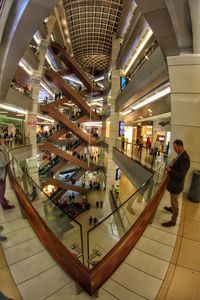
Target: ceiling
pixel 91 24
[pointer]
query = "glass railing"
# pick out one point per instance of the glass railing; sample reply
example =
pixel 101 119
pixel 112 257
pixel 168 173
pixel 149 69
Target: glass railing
pixel 146 157
pixel 65 228
pixel 108 232
pixel 100 239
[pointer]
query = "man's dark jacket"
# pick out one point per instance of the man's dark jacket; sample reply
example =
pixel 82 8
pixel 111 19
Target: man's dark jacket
pixel 178 173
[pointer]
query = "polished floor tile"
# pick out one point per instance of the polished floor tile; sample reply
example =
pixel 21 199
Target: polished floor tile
pixel 184 285
pixel 147 263
pixel 18 237
pixel 14 225
pixel 136 281
pixel 155 248
pixel 191 229
pixel 7 284
pixel 44 285
pixel 192 211
pixel 158 235
pixel 189 256
pixel 31 266
pixel 119 291
pixel 23 250
pixel 3 262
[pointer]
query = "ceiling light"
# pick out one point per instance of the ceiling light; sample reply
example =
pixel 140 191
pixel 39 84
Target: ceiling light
pixel 95 103
pixel 47 56
pixel 37 37
pixel 25 66
pixel 52 37
pixel 96 124
pixel 127 112
pixel 152 98
pixel 140 117
pixel 12 108
pixel 3 112
pixel 149 110
pixel 137 49
pixel 70 78
pixel 45 118
pixel 96 99
pixel 99 78
pixel 128 18
pixel 63 22
pixel 47 89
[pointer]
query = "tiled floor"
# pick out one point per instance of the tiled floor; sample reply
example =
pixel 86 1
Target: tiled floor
pixel 152 270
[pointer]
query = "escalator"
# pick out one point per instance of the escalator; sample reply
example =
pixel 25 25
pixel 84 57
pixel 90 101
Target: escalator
pixel 52 110
pixel 55 136
pixel 63 185
pixel 62 163
pixel 70 93
pixel 71 63
pixel 47 146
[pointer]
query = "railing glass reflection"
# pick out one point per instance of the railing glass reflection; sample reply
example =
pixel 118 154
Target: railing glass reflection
pixel 67 230
pixel 105 235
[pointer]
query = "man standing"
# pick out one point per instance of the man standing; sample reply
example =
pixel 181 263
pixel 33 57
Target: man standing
pixel 3 172
pixel 177 172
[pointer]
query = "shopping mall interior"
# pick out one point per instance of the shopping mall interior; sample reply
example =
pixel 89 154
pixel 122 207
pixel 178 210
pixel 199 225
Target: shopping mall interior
pixel 92 95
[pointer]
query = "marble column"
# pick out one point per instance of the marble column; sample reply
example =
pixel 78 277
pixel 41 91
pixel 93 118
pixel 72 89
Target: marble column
pixel 195 14
pixel 31 119
pixel 184 76
pixel 114 118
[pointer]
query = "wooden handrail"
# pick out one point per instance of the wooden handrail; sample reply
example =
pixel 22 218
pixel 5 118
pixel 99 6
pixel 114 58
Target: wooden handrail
pixel 106 267
pixel 59 252
pixel 90 280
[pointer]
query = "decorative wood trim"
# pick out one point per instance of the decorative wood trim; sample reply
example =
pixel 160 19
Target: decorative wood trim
pixel 89 280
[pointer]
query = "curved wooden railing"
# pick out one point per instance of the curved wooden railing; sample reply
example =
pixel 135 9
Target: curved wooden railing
pixel 89 280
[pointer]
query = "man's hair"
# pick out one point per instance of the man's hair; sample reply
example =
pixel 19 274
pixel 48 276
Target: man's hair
pixel 178 142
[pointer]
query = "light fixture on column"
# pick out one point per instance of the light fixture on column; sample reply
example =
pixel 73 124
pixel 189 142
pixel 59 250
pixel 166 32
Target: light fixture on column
pixel 47 88
pixel 26 67
pixel 45 118
pixel 137 46
pixel 152 98
pixel 13 108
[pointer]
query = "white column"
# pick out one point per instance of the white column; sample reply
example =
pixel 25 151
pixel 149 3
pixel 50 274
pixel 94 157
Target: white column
pixel 195 18
pixel 184 75
pixel 31 120
pixel 114 118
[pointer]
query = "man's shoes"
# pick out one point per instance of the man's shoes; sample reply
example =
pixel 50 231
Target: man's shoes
pixel 168 208
pixel 3 238
pixel 168 224
pixel 8 207
pixel 1 227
